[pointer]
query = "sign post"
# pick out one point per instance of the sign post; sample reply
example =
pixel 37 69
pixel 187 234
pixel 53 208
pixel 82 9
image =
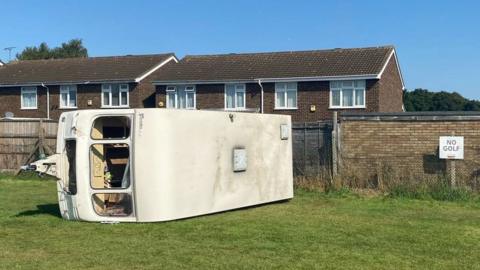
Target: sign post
pixel 451 148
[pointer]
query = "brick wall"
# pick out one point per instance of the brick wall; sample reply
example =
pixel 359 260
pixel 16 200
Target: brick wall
pixel 407 146
pixel 212 96
pixel 10 102
pixel 391 88
pixel 141 95
pixel 318 94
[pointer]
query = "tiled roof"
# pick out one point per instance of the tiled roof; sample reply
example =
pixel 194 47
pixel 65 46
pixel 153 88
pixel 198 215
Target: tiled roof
pixel 250 66
pixel 74 70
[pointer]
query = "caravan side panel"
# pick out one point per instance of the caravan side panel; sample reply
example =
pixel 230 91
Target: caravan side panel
pixel 184 162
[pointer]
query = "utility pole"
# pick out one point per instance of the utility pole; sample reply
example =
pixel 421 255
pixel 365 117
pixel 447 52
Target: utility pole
pixel 9 49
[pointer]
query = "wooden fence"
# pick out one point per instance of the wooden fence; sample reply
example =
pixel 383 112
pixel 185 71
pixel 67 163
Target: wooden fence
pixel 312 148
pixel 18 139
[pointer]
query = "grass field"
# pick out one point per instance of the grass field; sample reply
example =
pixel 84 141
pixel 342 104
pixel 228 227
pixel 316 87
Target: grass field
pixel 313 230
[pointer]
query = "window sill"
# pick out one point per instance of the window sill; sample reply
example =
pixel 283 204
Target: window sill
pixel 28 108
pixel 235 109
pixel 285 109
pixel 115 107
pixel 68 108
pixel 353 107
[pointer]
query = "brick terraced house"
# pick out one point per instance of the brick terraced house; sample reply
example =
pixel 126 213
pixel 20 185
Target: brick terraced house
pixel 308 85
pixel 46 88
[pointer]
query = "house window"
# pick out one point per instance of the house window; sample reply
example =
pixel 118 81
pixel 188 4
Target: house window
pixel 286 95
pixel 347 94
pixel 181 97
pixel 115 95
pixel 29 97
pixel 68 96
pixel 235 96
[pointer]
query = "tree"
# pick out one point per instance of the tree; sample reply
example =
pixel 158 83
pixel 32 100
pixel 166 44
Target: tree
pixel 71 49
pixel 424 100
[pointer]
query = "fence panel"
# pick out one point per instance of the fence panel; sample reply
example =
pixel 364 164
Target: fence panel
pixel 18 139
pixel 312 148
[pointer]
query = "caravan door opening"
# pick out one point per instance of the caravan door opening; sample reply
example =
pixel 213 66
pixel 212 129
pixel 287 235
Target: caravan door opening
pixel 71 151
pixel 110 162
pixel 111 127
pixel 110 165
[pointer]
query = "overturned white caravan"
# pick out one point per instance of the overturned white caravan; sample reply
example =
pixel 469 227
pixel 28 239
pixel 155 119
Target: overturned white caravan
pixel 146 165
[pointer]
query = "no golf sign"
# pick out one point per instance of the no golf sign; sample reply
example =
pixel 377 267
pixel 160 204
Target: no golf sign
pixel 451 147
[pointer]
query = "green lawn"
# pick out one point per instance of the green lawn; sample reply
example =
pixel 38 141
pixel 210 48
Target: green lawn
pixel 313 230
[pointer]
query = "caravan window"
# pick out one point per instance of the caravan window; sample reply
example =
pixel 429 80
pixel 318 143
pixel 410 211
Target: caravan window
pixel 111 127
pixel 112 204
pixel 110 166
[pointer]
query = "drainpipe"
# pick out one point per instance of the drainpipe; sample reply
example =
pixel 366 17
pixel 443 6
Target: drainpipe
pixel 261 95
pixel 48 100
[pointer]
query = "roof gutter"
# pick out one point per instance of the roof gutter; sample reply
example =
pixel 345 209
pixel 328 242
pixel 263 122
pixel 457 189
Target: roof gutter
pixel 281 79
pixel 322 78
pixel 65 83
pixel 203 82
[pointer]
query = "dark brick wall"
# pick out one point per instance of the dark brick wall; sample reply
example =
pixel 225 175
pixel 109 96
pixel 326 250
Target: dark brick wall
pixel 144 94
pixel 318 94
pixel 211 96
pixel 10 102
pixel 141 95
pixel 160 96
pixel 391 89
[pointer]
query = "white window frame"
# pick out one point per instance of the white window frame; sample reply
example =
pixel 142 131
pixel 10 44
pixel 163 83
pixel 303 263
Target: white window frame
pixel 340 88
pixel 188 89
pixel 284 92
pixel 107 87
pixel 67 89
pixel 171 89
pixel 243 89
pixel 28 90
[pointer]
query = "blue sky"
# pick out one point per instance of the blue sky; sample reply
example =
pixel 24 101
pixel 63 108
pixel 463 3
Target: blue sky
pixel 437 41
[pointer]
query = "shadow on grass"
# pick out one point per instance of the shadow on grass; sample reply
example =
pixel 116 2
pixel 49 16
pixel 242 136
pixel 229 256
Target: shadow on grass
pixel 42 209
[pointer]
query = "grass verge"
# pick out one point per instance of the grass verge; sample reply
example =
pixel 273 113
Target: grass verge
pixel 313 231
